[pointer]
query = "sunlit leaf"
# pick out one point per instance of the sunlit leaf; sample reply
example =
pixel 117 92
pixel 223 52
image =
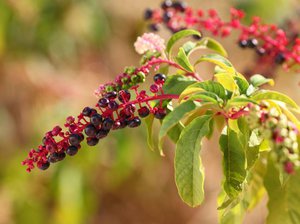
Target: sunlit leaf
pixel 214 45
pixel 217 59
pixel 206 97
pixel 258 80
pixel 205 43
pixel 242 84
pixel 227 81
pixel 183 61
pixel 239 101
pixel 273 95
pixel 177 36
pixel 208 86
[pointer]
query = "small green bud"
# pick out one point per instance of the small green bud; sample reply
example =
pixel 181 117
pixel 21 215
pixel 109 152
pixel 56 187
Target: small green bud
pixel 109 88
pixel 129 70
pixel 124 80
pixel 134 79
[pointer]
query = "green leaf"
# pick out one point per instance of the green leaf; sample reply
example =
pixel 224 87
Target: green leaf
pixel 188 47
pixel 174 117
pixel 175 84
pixel 206 97
pixel 276 96
pixel 242 84
pixel 251 89
pixel 227 81
pixel 258 80
pixel 219 60
pixel 209 86
pixel 189 175
pixel 233 162
pixel 214 45
pixel 204 43
pixel 254 190
pixel 239 101
pixel 183 60
pixel 177 36
pixel 250 140
pixel 284 201
pixel 149 125
pixel 175 131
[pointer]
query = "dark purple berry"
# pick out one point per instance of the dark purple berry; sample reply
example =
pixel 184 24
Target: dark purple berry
pixel 119 124
pixel 90 130
pixel 74 139
pixel 129 109
pixel 93 111
pixel 44 165
pixel 96 119
pixel 243 43
pixel 92 141
pixel 252 43
pixel 72 150
pixel 107 123
pixel 148 14
pixel 113 105
pixel 111 95
pixel 144 111
pixel 102 133
pixel 61 156
pixel 81 136
pixel 154 88
pixel 124 96
pixel 87 111
pixel 280 58
pixel 160 113
pixel 153 27
pixel 135 122
pixel 167 16
pixel 53 157
pixel 180 6
pixel 159 78
pixel 260 51
pixel 56 156
pixel 166 4
pixel 123 114
pixel 103 102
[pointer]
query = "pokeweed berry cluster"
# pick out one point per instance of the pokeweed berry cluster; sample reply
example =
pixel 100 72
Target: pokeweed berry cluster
pixel 270 42
pixel 114 110
pixel 280 133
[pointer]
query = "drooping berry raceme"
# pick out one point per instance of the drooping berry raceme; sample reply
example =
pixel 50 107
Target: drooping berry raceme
pixel 268 41
pixel 279 131
pixel 114 110
pixel 121 104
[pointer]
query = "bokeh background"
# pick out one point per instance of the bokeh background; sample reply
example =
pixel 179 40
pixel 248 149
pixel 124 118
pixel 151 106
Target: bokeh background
pixel 53 54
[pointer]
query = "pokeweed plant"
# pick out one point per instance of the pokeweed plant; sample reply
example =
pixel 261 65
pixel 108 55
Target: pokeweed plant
pixel 258 128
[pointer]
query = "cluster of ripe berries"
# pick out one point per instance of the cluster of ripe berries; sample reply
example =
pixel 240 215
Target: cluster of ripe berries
pixel 268 41
pixel 281 133
pixel 116 110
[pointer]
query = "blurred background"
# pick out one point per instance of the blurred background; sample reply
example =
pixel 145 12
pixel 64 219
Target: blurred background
pixel 53 54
